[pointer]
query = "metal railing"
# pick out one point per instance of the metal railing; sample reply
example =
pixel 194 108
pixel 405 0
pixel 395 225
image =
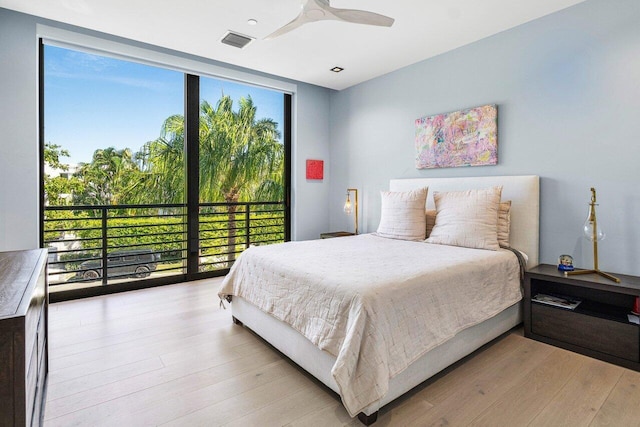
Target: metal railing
pixel 100 245
pixel 227 229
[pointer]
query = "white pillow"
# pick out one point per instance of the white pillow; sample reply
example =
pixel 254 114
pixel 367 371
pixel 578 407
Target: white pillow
pixel 431 220
pixel 402 215
pixel 467 218
pixel 504 224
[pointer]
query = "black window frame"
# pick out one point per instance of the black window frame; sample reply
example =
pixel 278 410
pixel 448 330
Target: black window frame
pixel 191 114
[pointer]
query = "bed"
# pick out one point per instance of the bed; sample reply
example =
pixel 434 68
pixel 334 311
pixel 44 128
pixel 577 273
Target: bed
pixel 383 332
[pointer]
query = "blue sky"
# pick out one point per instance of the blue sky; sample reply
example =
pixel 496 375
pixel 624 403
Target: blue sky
pixel 96 102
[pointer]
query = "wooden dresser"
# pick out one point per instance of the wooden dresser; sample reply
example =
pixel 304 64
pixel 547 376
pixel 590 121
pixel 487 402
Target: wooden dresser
pixel 23 337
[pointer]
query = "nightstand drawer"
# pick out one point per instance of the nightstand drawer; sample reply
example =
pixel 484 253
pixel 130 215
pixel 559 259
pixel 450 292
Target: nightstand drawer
pixel 602 335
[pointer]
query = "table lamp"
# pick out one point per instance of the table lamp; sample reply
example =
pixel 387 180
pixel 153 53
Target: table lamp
pixel 593 232
pixel 347 206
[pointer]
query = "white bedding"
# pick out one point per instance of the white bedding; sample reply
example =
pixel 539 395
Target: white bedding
pixel 375 304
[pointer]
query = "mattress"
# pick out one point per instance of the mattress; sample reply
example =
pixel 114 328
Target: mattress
pixel 374 304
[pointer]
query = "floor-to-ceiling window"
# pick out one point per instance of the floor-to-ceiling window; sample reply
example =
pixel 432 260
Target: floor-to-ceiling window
pixel 131 195
pixel 241 170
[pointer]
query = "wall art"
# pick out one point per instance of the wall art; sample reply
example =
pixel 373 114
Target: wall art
pixel 461 138
pixel 315 169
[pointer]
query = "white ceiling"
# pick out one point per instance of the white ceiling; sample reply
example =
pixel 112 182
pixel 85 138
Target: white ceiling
pixel 422 29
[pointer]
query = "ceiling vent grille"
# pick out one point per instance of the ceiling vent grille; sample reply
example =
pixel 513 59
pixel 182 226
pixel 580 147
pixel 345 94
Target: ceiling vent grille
pixel 236 40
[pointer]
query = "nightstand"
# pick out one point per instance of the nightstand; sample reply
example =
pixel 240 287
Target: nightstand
pixel 335 234
pixel 597 327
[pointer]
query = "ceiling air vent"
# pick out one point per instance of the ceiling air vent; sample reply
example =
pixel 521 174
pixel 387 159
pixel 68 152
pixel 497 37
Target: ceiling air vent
pixel 236 40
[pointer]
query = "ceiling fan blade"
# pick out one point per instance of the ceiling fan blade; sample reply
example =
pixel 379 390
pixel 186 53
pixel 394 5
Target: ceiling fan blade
pixel 362 17
pixel 320 10
pixel 297 22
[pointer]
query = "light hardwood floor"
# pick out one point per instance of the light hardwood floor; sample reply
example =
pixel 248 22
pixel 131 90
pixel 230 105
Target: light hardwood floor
pixel 171 356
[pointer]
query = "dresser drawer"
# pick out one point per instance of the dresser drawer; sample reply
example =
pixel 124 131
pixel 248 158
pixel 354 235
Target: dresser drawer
pixel 34 324
pixel 31 382
pixel 602 335
pixel 38 407
pixel 41 335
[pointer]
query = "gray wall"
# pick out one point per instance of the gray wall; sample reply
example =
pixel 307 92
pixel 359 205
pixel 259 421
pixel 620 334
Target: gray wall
pixel 19 163
pixel 19 199
pixel 567 88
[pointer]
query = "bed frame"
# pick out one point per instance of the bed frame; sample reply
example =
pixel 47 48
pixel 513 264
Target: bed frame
pixel 523 191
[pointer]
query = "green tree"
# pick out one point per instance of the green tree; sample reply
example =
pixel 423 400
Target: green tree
pixel 111 178
pixel 241 159
pixel 162 163
pixel 58 189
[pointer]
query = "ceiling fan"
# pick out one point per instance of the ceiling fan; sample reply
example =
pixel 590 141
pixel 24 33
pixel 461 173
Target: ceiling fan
pixel 321 10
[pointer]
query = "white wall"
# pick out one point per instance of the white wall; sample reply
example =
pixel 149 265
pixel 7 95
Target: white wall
pixel 19 167
pixel 311 197
pixel 567 88
pixel 19 163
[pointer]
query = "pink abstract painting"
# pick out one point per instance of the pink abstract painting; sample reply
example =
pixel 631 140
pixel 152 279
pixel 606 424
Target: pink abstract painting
pixel 462 138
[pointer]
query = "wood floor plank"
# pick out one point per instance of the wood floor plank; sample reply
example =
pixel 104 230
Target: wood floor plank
pixel 237 406
pixel 114 359
pixel 577 403
pixel 458 378
pixel 199 320
pixel 158 386
pixel 484 388
pixel 622 405
pixel 119 325
pixel 404 412
pixel 202 372
pixel 57 390
pixel 332 414
pixel 155 344
pixel 159 309
pixel 288 408
pixel 521 403
pixel 187 403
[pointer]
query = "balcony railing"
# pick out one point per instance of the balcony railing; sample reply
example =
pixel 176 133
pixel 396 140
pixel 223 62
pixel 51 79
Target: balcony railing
pixel 227 229
pixel 100 245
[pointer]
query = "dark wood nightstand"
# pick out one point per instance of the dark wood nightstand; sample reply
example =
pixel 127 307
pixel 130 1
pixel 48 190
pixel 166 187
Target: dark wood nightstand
pixel 597 327
pixel 335 234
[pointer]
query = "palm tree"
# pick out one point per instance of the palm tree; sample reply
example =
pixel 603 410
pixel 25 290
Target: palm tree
pixel 162 161
pixel 110 179
pixel 240 158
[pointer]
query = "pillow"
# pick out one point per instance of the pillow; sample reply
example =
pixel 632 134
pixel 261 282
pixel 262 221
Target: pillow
pixel 402 216
pixel 467 218
pixel 431 220
pixel 504 224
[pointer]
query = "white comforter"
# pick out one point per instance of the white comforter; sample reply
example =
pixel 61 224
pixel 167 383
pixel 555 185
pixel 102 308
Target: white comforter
pixel 375 304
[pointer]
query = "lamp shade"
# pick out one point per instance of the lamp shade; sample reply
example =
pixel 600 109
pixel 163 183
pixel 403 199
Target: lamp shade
pixel 347 205
pixel 349 208
pixel 591 229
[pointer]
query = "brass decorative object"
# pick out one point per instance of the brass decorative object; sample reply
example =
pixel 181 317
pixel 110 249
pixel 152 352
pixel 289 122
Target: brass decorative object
pixel 347 206
pixel 593 233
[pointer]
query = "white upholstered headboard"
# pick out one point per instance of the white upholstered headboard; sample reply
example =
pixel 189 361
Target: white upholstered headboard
pixel 523 191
